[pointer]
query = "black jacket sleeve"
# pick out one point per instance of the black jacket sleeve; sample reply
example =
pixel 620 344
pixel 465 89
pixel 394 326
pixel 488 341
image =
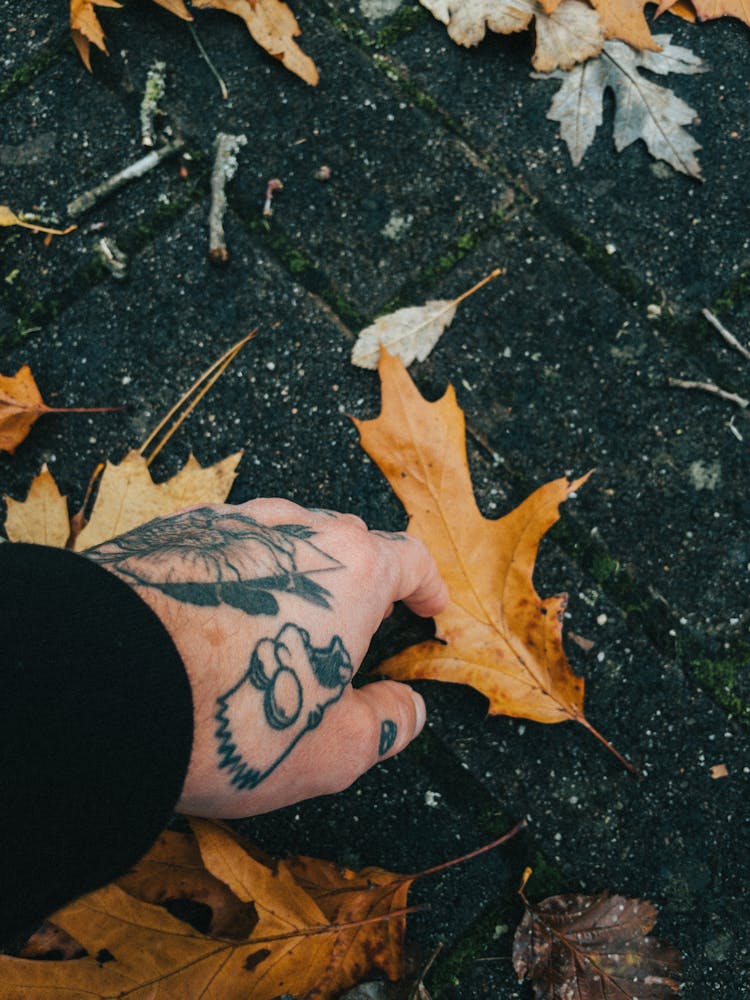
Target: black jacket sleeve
pixel 96 729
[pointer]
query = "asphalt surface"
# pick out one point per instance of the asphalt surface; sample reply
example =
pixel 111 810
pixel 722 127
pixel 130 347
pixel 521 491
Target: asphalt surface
pixel 443 167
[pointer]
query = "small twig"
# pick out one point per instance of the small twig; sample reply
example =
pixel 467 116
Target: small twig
pixel 155 87
pixel 90 198
pixel 273 185
pixel 728 337
pixel 730 397
pixel 214 70
pixel 225 167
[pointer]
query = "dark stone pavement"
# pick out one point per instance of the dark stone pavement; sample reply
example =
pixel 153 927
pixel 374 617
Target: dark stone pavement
pixel 443 167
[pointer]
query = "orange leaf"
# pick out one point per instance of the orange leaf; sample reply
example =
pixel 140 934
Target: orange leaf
pixel 20 405
pixel 497 633
pixel 707 10
pixel 274 27
pixel 624 19
pixel 293 948
pixel 85 27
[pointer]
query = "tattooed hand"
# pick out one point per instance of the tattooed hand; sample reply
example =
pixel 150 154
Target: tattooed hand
pixel 272 608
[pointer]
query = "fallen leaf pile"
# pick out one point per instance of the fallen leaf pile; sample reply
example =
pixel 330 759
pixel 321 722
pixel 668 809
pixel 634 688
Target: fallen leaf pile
pixel 570 32
pixel 302 927
pixel 496 634
pixel 270 22
pixel 594 948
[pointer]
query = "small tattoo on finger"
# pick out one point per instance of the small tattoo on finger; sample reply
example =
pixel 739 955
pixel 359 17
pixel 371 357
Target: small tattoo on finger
pixel 388 733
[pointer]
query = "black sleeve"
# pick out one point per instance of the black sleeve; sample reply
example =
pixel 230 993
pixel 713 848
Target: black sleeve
pixel 96 727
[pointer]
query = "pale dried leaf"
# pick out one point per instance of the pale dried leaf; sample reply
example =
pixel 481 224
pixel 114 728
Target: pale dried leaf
pixel 42 518
pixel 128 497
pixel 85 27
pixel 409 333
pixel 566 33
pixel 644 110
pixel 274 27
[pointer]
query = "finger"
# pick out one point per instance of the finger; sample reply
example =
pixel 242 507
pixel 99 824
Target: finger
pixel 415 579
pixel 371 724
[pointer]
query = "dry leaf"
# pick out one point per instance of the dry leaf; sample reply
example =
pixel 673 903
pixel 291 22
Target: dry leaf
pixel 274 27
pixel 594 948
pixel 410 333
pixel 644 110
pixel 21 405
pixel 173 869
pixel 496 634
pixel 625 19
pixel 709 9
pixel 42 518
pixel 293 948
pixel 128 496
pixel 567 32
pixel 85 27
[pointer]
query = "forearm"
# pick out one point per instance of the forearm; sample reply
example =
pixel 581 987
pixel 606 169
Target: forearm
pixel 95 729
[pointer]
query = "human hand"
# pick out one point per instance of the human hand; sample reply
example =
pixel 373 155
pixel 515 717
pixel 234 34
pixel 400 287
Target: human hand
pixel 272 608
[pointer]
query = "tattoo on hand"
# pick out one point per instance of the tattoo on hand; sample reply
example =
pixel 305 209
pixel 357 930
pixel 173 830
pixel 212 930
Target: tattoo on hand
pixel 388 733
pixel 292 682
pixel 205 557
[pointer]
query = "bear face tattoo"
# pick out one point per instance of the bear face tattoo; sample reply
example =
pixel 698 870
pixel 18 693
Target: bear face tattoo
pixel 289 683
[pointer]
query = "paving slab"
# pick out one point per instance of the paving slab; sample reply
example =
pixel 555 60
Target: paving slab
pixel 558 368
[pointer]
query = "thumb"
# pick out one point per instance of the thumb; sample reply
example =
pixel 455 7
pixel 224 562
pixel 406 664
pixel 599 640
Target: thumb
pixel 396 714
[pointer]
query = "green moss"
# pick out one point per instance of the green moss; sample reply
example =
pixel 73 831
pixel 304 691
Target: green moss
pixel 721 679
pixel 545 880
pixel 32 69
pixel 446 975
pixel 736 292
pixel 404 21
pixel 603 566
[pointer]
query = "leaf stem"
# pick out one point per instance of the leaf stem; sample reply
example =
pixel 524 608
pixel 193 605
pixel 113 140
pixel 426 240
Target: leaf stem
pixel 480 284
pixel 595 732
pixel 521 825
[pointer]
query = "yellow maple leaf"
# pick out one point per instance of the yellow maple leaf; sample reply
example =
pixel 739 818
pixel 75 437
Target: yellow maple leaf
pixel 42 517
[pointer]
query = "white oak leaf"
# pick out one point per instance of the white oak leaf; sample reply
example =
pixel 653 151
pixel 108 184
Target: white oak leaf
pixel 644 110
pixel 409 333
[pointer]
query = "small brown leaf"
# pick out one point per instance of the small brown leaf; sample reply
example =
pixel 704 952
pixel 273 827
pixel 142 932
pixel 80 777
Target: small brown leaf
pixel 85 27
pixel 20 405
pixel 594 948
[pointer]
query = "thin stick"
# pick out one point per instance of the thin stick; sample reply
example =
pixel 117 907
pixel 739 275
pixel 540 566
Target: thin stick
pixel 480 284
pixel 730 397
pixel 214 70
pixel 595 732
pixel 213 373
pixel 225 167
pixel 199 381
pixel 90 198
pixel 44 229
pixel 729 337
pixel 521 825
